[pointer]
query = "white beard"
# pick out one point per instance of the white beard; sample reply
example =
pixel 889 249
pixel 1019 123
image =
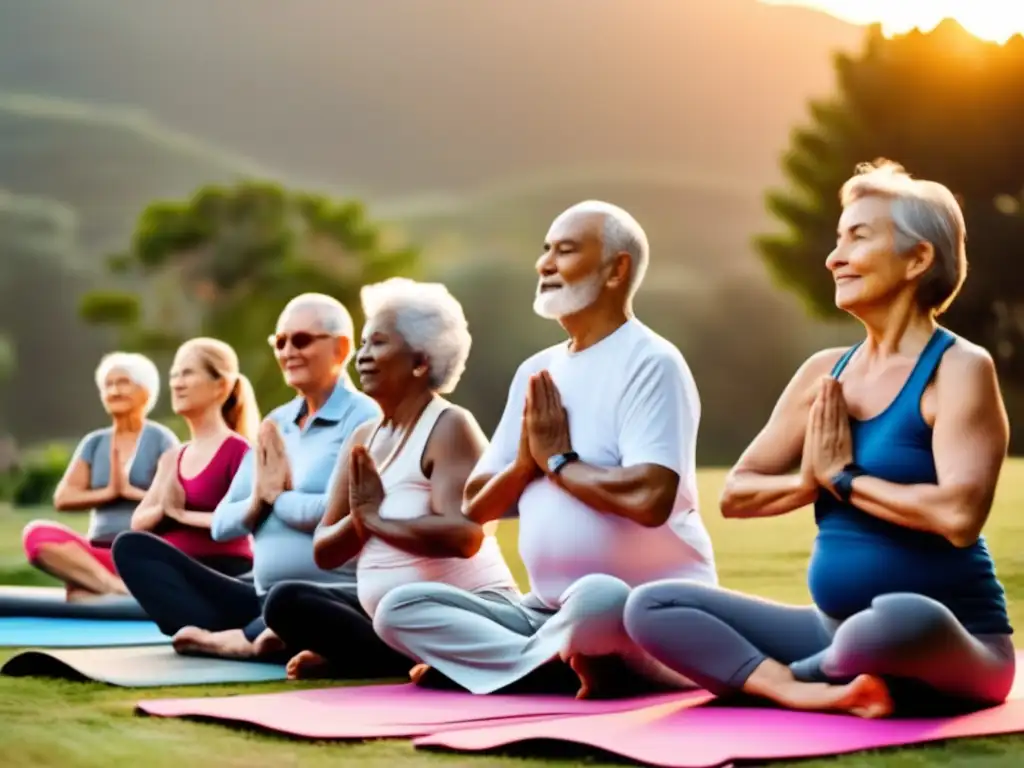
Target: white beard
pixel 569 299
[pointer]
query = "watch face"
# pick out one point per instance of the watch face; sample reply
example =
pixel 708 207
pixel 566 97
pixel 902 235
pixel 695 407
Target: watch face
pixel 554 462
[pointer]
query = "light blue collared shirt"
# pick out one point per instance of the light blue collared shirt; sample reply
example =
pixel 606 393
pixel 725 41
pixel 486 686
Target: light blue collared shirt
pixel 283 544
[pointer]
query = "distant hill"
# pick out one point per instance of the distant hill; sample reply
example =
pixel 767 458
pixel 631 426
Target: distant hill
pixel 105 164
pixel 468 125
pixel 393 98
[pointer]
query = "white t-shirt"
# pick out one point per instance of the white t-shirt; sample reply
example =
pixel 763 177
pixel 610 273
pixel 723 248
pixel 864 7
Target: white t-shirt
pixel 630 399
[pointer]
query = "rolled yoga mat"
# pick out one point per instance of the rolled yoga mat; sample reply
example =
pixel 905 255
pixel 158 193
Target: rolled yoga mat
pixel 386 711
pixel 41 632
pixel 51 602
pixel 675 736
pixel 145 667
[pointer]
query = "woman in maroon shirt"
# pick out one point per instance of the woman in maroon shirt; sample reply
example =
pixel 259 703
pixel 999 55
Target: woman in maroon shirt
pixel 217 402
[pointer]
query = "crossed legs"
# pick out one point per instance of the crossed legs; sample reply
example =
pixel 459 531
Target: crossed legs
pixel 732 643
pixel 85 569
pixel 486 643
pixel 205 612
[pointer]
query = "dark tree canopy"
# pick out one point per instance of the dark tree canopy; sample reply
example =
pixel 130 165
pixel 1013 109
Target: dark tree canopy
pixel 948 107
pixel 225 262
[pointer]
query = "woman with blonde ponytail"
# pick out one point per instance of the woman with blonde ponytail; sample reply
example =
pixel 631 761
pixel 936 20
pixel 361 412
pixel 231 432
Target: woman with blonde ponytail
pixel 217 402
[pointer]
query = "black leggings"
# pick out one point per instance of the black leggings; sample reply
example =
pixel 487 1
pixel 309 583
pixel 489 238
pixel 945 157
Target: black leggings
pixel 717 638
pixel 329 621
pixel 177 591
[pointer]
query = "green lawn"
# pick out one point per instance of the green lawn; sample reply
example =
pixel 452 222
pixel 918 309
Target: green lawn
pixel 78 725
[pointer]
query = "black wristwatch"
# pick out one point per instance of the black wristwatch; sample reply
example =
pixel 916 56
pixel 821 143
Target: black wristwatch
pixel 843 480
pixel 557 462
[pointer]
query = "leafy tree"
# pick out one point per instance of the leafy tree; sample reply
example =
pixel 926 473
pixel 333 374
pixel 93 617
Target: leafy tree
pixel 225 262
pixel 948 107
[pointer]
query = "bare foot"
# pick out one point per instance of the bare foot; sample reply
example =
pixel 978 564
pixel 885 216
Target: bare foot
pixel 75 594
pixel 584 669
pixel 304 665
pixel 416 673
pixel 229 644
pixel 867 696
pixel 267 644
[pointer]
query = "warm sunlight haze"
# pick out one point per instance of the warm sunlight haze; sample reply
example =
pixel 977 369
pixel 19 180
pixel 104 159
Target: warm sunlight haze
pixel 996 20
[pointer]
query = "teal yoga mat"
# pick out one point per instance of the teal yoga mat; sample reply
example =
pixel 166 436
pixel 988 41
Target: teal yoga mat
pixel 43 632
pixel 138 667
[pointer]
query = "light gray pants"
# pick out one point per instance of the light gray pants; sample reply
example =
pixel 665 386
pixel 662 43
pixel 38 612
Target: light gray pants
pixel 487 642
pixel 718 637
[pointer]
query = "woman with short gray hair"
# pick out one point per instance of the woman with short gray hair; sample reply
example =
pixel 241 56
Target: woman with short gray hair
pixel 109 474
pixel 898 442
pixel 397 501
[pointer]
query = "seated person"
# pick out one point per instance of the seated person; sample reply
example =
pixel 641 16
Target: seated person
pixel 397 503
pixel 278 497
pixel 109 473
pixel 596 447
pixel 898 442
pixel 219 406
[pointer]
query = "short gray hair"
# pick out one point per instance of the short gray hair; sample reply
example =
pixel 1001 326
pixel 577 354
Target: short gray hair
pixel 431 322
pixel 139 368
pixel 621 233
pixel 922 211
pixel 330 313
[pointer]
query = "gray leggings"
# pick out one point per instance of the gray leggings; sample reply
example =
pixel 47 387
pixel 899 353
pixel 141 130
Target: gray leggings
pixel 717 638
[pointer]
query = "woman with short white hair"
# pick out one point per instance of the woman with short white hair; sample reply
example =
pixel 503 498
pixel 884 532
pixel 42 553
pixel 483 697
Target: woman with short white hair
pixel 109 474
pixel 898 442
pixel 397 502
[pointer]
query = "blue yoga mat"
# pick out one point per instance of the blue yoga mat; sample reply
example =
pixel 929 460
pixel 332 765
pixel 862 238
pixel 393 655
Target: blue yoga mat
pixel 40 632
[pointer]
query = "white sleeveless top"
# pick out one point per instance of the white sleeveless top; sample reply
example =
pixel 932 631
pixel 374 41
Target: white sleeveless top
pixel 383 567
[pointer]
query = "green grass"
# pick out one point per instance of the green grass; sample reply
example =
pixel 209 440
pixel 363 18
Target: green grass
pixel 79 725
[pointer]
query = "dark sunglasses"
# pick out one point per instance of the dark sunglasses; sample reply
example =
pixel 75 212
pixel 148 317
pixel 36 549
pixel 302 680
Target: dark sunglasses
pixel 299 339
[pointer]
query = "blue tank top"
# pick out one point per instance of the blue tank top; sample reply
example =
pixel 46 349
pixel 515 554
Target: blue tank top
pixel 858 557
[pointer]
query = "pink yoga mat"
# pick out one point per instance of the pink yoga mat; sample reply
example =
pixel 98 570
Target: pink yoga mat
pixel 673 735
pixel 380 711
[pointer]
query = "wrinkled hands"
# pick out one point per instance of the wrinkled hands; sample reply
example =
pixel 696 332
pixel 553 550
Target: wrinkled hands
pixel 365 489
pixel 545 425
pixel 273 472
pixel 828 443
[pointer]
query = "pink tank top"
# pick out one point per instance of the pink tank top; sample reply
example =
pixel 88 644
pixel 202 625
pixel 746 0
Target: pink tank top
pixel 203 493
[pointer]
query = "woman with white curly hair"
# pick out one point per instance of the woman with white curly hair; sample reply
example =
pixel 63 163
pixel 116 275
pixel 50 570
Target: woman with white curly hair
pixel 397 502
pixel 108 475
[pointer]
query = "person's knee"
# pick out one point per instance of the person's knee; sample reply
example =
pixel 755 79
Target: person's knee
pixel 32 539
pixel 895 625
pixel 904 618
pixel 134 547
pixel 283 601
pixel 645 607
pixel 395 609
pixel 591 613
pixel 595 596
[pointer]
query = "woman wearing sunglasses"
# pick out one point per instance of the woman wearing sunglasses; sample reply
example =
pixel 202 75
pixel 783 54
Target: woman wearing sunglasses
pixel 397 502
pixel 277 497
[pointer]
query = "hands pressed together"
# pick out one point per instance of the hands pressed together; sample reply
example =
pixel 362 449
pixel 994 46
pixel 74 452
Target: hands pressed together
pixel 828 442
pixel 273 473
pixel 545 425
pixel 365 488
pixel 171 494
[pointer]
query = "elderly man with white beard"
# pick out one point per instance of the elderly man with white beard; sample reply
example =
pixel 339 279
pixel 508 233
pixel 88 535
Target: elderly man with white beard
pixel 596 448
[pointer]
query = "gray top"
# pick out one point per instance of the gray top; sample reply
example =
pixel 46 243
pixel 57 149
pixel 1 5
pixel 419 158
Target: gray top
pixel 108 520
pixel 283 544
